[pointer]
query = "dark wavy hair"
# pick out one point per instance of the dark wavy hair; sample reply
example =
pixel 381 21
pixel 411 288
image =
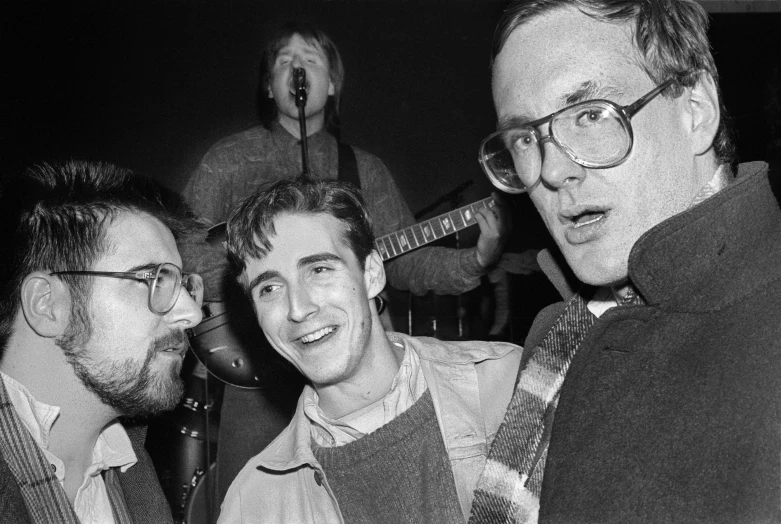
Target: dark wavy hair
pixel 252 222
pixel 267 108
pixel 55 219
pixel 671 36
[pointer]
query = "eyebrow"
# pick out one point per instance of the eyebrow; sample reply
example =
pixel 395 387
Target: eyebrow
pixel 305 261
pixel 588 90
pixel 143 267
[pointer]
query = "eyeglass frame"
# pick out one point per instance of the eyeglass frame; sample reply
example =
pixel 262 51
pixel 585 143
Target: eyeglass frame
pixel 148 276
pixel 625 113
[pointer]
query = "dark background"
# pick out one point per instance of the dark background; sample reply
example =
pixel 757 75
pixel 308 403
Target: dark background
pixel 151 85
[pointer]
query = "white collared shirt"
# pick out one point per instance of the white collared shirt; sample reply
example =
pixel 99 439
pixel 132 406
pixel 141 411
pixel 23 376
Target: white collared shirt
pixel 407 387
pixel 112 449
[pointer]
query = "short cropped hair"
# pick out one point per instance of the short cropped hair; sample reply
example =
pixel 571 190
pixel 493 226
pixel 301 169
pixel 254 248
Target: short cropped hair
pixel 671 36
pixel 252 222
pixel 313 36
pixel 55 219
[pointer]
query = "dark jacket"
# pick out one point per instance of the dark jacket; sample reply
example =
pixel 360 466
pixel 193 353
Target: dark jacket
pixel 143 495
pixel 671 412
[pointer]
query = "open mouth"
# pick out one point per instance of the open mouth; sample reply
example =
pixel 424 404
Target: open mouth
pixel 294 91
pixel 587 218
pixel 318 335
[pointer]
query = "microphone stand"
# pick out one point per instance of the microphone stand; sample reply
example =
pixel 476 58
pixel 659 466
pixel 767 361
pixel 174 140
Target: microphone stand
pixel 300 79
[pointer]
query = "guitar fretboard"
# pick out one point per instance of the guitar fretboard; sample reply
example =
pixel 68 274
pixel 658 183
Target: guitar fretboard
pixel 413 237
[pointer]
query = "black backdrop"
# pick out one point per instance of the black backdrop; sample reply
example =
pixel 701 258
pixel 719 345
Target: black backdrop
pixel 151 84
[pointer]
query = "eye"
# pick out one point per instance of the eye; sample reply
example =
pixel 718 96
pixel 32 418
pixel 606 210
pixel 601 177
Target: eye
pixel 319 270
pixel 590 116
pixel 520 141
pixel 267 290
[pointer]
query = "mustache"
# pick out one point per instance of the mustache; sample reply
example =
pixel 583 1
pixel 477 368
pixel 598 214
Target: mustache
pixel 173 339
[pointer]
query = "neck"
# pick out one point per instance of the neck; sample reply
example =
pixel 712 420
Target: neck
pixel 314 123
pixel 381 362
pixel 40 365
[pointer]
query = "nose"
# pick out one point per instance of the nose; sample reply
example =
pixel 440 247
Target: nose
pixel 558 168
pixel 300 303
pixel 186 310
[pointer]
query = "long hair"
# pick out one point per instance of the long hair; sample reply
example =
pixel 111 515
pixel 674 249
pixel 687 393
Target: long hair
pixel 671 36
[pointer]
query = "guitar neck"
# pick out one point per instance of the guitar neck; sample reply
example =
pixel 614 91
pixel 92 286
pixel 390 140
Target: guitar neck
pixel 413 237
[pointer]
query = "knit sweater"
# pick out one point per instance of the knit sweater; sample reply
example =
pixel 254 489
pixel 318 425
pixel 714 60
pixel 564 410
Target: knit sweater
pixel 399 473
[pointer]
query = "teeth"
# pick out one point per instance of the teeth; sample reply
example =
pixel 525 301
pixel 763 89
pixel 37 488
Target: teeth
pixel 588 218
pixel 317 335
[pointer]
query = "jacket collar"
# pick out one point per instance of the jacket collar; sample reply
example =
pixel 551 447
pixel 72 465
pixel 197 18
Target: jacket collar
pixel 292 448
pixel 716 252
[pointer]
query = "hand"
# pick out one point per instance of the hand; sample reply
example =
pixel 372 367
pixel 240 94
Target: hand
pixel 495 225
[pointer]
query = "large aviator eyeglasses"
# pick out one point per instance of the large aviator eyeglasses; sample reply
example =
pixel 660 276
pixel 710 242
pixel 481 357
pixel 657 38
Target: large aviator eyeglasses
pixel 164 281
pixel 594 134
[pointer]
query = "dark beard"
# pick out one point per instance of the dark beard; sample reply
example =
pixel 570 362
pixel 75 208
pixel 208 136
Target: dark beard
pixel 131 391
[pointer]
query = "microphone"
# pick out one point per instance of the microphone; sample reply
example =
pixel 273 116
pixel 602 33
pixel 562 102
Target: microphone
pixel 299 77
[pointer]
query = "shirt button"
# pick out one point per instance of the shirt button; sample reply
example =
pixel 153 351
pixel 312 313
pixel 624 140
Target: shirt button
pixel 319 478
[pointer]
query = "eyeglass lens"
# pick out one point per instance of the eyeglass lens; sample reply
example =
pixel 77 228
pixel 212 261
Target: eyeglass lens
pixel 593 134
pixel 165 289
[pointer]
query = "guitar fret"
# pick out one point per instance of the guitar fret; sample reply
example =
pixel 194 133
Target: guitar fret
pixel 417 231
pixel 411 240
pixel 403 239
pixel 457 219
pixel 391 248
pixel 394 242
pixel 380 245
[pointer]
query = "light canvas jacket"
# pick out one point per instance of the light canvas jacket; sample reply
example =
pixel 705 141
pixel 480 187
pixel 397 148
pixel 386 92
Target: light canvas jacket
pixel 470 383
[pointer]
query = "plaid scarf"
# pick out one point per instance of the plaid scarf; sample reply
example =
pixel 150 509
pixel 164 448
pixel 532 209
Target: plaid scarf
pixel 42 492
pixel 509 487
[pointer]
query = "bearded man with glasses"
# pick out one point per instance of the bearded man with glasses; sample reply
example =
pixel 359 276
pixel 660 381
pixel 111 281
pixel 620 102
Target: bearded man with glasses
pixel 93 313
pixel 653 391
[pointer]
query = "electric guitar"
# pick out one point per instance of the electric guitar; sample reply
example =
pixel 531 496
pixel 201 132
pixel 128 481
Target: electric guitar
pixel 222 340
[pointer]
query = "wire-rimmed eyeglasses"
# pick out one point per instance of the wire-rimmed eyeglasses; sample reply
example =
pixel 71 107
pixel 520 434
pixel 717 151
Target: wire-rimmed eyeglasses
pixel 164 281
pixel 595 134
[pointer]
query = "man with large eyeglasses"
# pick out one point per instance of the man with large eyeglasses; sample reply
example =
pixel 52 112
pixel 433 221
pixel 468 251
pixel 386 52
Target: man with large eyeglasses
pixel 653 391
pixel 93 314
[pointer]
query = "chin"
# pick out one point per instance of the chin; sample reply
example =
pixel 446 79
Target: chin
pixel 596 271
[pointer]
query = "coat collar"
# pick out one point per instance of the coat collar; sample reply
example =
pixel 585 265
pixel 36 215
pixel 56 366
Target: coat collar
pixel 715 253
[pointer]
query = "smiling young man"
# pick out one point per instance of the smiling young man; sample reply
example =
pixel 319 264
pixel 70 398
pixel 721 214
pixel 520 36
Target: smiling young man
pixel 93 316
pixel 390 428
pixel 610 118
pixel 239 164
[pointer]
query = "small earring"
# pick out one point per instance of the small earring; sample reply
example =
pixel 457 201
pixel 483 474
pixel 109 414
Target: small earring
pixel 379 302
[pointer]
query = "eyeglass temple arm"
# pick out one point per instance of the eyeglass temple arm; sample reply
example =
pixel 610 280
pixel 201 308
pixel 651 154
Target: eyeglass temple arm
pixel 633 108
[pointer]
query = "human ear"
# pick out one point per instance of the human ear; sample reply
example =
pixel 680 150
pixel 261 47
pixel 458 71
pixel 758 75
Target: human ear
pixel 45 304
pixel 331 88
pixel 704 111
pixel 269 92
pixel 374 274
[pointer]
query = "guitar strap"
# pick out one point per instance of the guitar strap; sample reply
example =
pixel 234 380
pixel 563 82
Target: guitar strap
pixel 348 165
